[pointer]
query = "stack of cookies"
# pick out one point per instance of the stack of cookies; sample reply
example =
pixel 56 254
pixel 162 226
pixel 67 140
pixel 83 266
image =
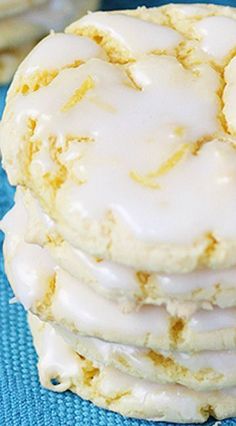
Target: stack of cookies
pixel 24 22
pixel 120 135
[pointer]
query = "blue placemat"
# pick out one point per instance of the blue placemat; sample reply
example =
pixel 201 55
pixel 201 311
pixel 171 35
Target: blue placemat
pixel 23 402
pixel 131 4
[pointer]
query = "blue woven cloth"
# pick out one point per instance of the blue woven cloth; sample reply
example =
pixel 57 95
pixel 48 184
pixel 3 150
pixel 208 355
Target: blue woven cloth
pixel 23 402
pixel 131 4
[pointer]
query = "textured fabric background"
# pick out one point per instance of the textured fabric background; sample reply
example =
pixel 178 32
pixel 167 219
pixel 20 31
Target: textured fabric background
pixel 23 402
pixel 124 4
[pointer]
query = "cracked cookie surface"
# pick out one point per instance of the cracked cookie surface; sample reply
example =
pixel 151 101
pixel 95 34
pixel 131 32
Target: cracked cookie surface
pixel 126 134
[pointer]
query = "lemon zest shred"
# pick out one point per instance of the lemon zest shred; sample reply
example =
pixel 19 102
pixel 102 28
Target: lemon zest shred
pixel 79 94
pixel 147 180
pixel 170 163
pixel 143 180
pixel 76 138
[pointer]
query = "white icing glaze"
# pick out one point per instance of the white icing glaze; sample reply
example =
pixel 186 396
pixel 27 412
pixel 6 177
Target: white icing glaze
pixel 230 96
pixel 56 359
pixel 47 55
pixel 181 100
pixel 92 314
pixel 218 35
pixel 28 267
pixel 29 278
pixel 14 223
pixel 184 283
pixel 127 30
pixel 201 185
pixel 213 320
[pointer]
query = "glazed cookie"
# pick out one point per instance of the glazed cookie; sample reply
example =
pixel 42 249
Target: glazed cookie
pixel 55 295
pixel 182 294
pixel 116 391
pixel 132 154
pixel 199 371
